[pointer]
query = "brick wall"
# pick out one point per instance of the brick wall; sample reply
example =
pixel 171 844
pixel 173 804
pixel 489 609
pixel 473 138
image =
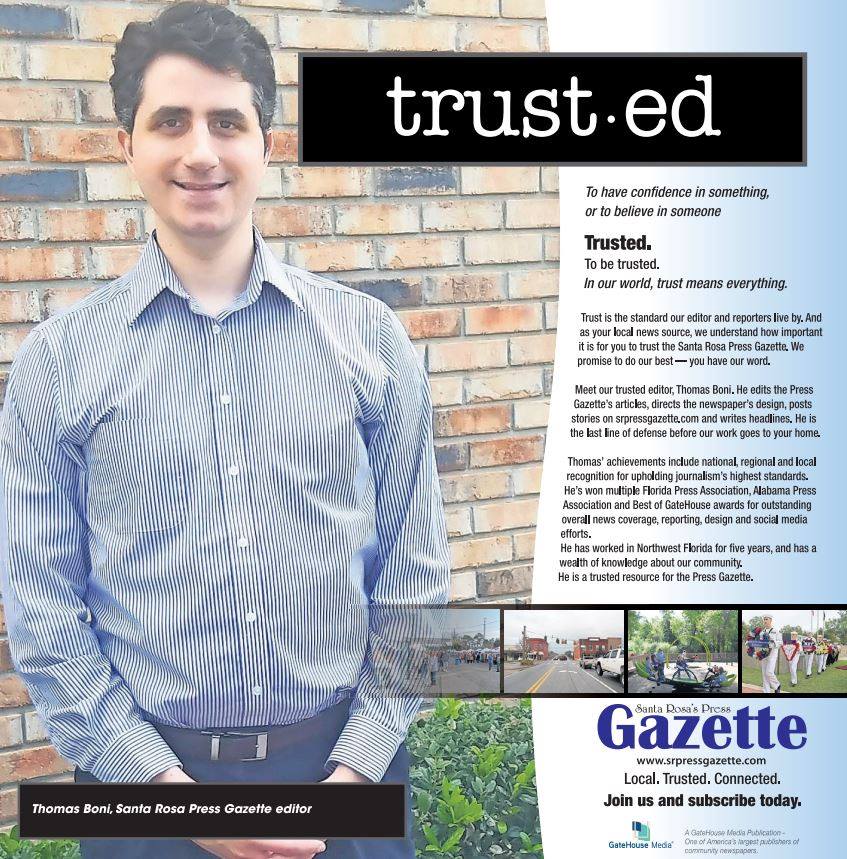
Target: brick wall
pixel 467 256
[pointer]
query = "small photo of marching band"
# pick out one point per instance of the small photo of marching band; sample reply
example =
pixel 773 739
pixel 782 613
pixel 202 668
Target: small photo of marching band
pixel 794 650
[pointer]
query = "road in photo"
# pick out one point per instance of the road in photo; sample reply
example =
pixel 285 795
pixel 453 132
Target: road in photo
pixel 555 675
pixel 468 678
pixel 563 651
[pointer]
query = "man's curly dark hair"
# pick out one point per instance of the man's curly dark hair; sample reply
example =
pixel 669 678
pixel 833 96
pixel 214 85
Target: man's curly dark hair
pixel 211 34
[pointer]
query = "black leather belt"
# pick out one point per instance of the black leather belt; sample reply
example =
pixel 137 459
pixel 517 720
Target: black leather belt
pixel 231 745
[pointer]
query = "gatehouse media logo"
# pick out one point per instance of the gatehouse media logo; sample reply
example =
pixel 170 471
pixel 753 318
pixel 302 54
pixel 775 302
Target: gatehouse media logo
pixel 640 838
pixel 640 831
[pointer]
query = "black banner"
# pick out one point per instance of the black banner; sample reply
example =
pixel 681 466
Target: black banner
pixel 212 810
pixel 524 109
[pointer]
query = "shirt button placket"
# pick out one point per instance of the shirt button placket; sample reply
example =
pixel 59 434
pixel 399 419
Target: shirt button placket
pixel 237 511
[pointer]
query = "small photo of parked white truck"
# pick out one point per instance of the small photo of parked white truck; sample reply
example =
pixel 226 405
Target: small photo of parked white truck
pixel 611 665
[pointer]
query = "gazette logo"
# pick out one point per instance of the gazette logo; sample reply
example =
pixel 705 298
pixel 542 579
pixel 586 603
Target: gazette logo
pixel 640 831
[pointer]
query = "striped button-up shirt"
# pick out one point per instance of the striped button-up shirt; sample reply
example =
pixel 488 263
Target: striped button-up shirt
pixel 200 516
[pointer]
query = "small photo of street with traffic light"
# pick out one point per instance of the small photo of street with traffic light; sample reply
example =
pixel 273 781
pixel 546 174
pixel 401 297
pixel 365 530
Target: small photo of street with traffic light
pixel 563 651
pixel 682 651
pixel 794 650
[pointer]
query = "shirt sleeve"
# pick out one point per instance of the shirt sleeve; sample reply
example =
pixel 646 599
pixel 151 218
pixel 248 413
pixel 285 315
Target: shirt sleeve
pixel 412 565
pixel 90 714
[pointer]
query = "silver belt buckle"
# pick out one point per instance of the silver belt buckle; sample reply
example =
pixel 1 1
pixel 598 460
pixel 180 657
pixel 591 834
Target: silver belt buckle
pixel 261 745
pixel 261 748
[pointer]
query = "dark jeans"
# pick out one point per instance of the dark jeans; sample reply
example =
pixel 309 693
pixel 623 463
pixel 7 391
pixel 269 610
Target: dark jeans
pixel 300 762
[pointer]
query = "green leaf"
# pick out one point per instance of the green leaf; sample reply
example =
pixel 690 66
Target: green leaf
pixel 431 837
pixel 424 801
pixel 454 839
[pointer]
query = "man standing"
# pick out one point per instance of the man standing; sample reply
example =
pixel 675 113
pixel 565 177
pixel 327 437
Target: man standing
pixel 809 646
pixel 660 666
pixel 433 668
pixel 769 661
pixel 822 653
pixel 791 652
pixel 216 471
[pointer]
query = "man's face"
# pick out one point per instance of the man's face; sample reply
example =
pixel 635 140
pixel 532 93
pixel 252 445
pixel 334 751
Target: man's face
pixel 196 150
pixel 768 621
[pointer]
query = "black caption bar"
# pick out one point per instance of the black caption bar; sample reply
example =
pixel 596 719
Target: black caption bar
pixel 212 810
pixel 715 109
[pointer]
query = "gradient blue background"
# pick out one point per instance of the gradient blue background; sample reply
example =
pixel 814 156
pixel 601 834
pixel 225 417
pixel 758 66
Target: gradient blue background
pixel 576 779
pixel 798 235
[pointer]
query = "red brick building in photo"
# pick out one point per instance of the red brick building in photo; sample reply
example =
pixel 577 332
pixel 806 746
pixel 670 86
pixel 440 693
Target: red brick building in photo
pixel 592 647
pixel 538 645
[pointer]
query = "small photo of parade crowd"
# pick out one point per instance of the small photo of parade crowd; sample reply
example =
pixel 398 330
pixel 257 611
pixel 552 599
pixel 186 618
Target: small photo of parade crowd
pixel 443 660
pixel 464 657
pixel 795 651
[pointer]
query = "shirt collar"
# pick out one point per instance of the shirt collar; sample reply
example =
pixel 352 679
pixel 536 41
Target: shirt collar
pixel 153 273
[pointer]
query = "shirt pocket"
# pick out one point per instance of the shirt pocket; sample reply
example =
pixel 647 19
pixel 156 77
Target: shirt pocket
pixel 136 477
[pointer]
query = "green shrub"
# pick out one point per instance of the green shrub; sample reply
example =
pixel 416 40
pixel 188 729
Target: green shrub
pixel 473 781
pixel 11 847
